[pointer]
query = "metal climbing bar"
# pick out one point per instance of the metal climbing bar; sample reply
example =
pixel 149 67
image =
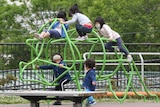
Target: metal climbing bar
pixel 40 54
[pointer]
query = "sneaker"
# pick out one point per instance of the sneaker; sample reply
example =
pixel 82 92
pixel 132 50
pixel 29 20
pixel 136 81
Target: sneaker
pixel 92 103
pixel 129 58
pixel 38 36
pixel 116 49
pixel 57 103
pixel 80 38
pixel 86 37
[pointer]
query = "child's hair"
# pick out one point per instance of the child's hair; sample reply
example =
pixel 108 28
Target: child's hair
pixel 62 14
pixel 99 20
pixel 56 56
pixel 90 63
pixel 74 9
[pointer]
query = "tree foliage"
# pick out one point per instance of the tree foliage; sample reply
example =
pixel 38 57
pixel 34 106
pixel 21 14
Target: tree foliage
pixel 135 20
pixel 10 29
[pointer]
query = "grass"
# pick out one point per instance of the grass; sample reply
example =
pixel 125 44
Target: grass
pixel 127 100
pixel 12 100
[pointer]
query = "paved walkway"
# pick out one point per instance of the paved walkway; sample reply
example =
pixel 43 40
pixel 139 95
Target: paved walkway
pixel 98 104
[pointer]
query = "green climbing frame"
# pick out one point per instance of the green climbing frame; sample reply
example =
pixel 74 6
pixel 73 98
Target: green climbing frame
pixel 40 48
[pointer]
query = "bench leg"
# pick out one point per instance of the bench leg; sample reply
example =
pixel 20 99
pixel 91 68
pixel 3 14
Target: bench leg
pixel 77 104
pixel 34 104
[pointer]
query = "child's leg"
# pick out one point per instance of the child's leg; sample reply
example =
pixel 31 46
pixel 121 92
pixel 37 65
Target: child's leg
pixel 45 35
pixel 122 49
pixel 60 87
pixel 39 36
pixel 109 47
pixel 63 83
pixel 57 102
pixel 54 34
pixel 90 99
pixel 82 30
pixel 78 28
pixel 42 34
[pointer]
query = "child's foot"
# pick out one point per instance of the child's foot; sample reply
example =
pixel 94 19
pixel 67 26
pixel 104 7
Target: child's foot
pixel 86 37
pixel 57 103
pixel 38 36
pixel 90 103
pixel 116 49
pixel 80 38
pixel 129 58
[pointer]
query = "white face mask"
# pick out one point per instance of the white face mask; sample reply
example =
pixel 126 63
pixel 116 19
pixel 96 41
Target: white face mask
pixel 98 26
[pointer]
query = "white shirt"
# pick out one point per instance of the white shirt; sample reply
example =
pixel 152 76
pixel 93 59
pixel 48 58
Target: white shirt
pixel 107 32
pixel 80 18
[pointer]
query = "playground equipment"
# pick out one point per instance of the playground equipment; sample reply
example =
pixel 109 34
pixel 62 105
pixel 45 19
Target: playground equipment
pixel 39 55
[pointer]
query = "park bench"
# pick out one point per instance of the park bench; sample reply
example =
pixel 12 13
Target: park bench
pixel 34 96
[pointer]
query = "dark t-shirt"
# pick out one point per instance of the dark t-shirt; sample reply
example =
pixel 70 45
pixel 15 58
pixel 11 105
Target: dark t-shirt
pixel 58 71
pixel 89 78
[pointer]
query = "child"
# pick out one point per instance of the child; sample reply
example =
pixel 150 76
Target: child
pixel 56 31
pixel 107 32
pixel 84 24
pixel 58 70
pixel 89 82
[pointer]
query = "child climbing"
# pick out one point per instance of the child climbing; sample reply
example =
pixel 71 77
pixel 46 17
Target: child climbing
pixel 56 31
pixel 58 70
pixel 84 24
pixel 107 32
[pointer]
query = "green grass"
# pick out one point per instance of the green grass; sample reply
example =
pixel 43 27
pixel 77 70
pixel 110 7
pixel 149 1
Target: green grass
pixel 127 100
pixel 12 100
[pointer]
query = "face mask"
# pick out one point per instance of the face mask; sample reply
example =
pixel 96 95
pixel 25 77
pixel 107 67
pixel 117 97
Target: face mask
pixel 98 26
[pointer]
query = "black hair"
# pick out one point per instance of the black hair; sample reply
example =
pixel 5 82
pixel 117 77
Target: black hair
pixel 74 9
pixel 62 14
pixel 90 63
pixel 99 20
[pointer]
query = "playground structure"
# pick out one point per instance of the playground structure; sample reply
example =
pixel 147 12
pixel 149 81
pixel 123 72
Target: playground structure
pixel 39 55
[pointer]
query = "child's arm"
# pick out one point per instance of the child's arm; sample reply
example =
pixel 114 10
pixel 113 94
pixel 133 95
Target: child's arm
pixel 94 83
pixel 50 21
pixel 93 77
pixel 61 65
pixel 99 33
pixel 44 67
pixel 62 21
pixel 73 20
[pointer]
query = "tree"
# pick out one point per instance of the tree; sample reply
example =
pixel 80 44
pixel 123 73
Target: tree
pixel 10 29
pixel 136 21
